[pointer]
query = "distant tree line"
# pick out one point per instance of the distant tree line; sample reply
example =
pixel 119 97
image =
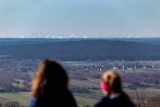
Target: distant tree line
pixel 84 50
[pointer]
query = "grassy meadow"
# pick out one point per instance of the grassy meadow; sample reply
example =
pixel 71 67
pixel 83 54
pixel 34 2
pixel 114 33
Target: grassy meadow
pixel 83 99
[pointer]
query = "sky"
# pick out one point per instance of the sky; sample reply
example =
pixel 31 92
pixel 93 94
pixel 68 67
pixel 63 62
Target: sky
pixel 79 18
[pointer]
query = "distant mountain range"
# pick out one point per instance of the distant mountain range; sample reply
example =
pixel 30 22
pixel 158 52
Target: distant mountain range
pixel 82 49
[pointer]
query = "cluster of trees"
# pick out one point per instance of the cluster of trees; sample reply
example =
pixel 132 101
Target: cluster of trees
pixel 141 100
pixel 154 102
pixel 14 82
pixel 80 50
pixel 142 79
pixel 15 65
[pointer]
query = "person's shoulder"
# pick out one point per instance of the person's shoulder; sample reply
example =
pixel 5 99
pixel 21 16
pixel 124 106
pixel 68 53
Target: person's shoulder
pixel 127 100
pixel 33 102
pixel 67 99
pixel 103 102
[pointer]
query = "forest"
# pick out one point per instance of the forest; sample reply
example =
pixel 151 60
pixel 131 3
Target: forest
pixel 81 49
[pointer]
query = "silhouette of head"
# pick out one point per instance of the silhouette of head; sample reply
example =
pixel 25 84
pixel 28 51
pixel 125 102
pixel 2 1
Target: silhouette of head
pixel 111 82
pixel 49 77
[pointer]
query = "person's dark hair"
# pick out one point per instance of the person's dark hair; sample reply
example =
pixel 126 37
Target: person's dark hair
pixel 49 77
pixel 117 84
pixel 50 86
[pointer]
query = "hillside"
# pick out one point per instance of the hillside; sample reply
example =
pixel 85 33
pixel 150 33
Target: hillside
pixel 81 49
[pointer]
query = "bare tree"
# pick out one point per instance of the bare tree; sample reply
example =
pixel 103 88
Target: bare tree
pixel 140 98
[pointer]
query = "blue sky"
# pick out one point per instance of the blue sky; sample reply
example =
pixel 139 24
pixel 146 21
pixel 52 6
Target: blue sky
pixel 80 18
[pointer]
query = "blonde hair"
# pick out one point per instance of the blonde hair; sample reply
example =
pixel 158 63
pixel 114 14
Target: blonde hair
pixel 38 78
pixel 112 79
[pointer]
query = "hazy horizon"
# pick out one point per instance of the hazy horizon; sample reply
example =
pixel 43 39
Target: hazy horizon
pixel 79 19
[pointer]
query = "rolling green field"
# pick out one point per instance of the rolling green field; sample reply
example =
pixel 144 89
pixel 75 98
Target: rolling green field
pixel 82 99
pixel 21 98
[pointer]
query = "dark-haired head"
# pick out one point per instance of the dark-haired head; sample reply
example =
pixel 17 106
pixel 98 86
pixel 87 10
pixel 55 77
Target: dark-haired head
pixel 49 77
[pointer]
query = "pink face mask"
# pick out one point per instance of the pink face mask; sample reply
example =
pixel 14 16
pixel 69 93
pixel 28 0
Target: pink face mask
pixel 104 86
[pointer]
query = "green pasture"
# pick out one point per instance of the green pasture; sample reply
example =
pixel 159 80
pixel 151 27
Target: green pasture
pixel 150 90
pixel 84 100
pixel 86 83
pixel 16 97
pixel 23 98
pixel 81 98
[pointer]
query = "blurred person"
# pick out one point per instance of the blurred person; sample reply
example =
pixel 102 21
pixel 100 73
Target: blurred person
pixel 50 87
pixel 111 87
